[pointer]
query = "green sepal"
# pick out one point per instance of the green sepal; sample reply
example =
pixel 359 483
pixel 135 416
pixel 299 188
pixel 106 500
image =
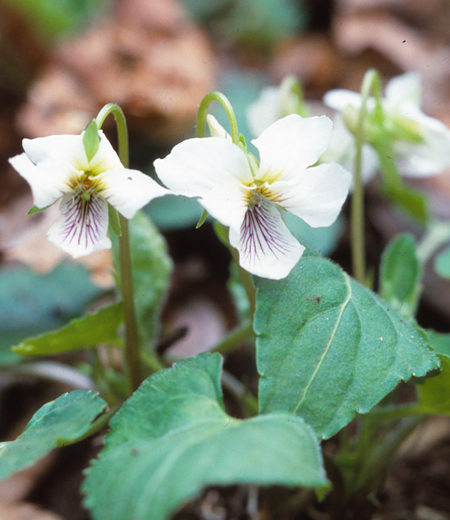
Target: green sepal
pixel 202 219
pixel 91 140
pixel 114 221
pixel 35 209
pixel 409 200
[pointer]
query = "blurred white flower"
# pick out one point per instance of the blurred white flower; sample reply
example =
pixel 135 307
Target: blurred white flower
pixel 56 167
pixel 421 143
pixel 248 197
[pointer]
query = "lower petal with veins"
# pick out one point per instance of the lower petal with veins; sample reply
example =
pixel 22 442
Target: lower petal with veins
pixel 82 227
pixel 266 246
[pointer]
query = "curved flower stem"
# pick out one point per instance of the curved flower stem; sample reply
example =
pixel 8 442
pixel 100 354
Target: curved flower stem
pixel 234 338
pixel 203 109
pixel 371 83
pixel 132 342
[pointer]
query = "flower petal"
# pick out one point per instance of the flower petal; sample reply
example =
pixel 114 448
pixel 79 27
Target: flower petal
pixel 266 246
pixel 82 227
pixel 47 185
pixel 339 99
pixel 316 196
pixel 342 150
pixel 196 166
pixel 290 144
pixel 265 110
pixel 402 89
pixel 106 157
pixel 216 129
pixel 129 190
pixel 57 151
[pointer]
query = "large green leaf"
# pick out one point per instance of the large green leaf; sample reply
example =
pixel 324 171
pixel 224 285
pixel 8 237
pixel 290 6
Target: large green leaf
pixel 328 348
pixel 88 331
pixel 172 438
pixel 31 303
pixel 400 275
pixel 56 424
pixel 152 268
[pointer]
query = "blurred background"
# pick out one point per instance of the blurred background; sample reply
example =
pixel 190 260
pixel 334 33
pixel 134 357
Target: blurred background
pixel 62 60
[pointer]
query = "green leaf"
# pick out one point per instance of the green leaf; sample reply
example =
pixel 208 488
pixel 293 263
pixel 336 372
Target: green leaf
pixel 328 348
pixel 442 263
pixel 88 331
pixel 409 200
pixel 400 275
pixel 440 342
pixel 35 209
pixel 434 392
pixel 152 268
pixel 173 212
pixel 172 438
pixel 56 424
pixel 91 140
pixel 114 221
pixel 31 303
pixel 202 219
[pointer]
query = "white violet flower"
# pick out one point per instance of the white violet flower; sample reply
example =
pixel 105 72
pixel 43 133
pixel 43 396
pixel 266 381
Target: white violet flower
pixel 56 167
pixel 421 143
pixel 273 103
pixel 248 197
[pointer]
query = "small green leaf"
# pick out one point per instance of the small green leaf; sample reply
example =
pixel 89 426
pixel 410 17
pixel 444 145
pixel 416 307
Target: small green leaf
pixel 202 219
pixel 172 438
pixel 35 209
pixel 328 348
pixel 87 331
pixel 400 275
pixel 409 200
pixel 434 392
pixel 440 342
pixel 91 140
pixel 56 424
pixel 152 267
pixel 442 264
pixel 114 221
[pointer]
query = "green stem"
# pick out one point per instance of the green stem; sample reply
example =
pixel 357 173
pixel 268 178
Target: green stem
pixel 132 339
pixel 370 82
pixel 233 339
pixel 203 109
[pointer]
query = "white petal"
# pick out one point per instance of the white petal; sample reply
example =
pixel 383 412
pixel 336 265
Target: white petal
pixel 266 246
pixel 265 110
pixel 106 157
pixel 57 151
pixel 216 129
pixel 316 196
pixel 130 190
pixel 82 227
pixel 290 144
pixel 339 99
pixel 47 185
pixel 227 203
pixel 405 88
pixel 342 150
pixel 196 166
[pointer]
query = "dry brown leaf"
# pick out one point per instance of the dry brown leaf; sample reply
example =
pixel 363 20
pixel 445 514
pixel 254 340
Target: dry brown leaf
pixel 312 58
pixel 25 511
pixel 148 58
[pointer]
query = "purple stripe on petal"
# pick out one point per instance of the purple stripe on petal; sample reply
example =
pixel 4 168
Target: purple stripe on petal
pixel 82 226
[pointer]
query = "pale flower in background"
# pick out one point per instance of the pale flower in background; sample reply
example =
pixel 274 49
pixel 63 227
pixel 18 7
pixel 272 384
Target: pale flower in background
pixel 249 197
pixel 56 167
pixel 270 106
pixel 421 143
